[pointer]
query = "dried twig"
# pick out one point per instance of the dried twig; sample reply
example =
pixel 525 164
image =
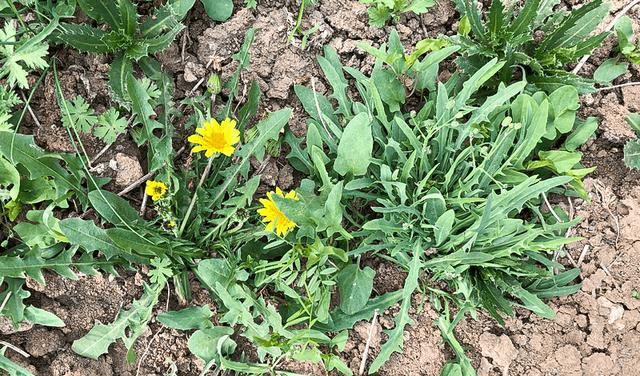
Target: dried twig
pixel 583 254
pixel 608 28
pixel 619 86
pixel 33 115
pixel 365 353
pixel 15 348
pixel 146 350
pixel 607 272
pixel 143 205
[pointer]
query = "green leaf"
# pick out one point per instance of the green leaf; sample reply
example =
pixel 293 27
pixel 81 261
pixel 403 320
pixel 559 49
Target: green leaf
pixel 205 343
pixel 215 270
pixel 378 15
pixel 396 335
pixel 79 115
pixel 634 122
pixel 105 11
pixel 268 129
pixel 28 51
pixel 41 317
pixel 609 71
pixel 391 90
pixel 21 149
pixel 9 177
pixel 332 68
pixel 355 147
pixel 565 103
pixel 218 10
pixel 12 368
pixel 163 18
pixel 82 37
pixel 355 287
pixel 128 326
pixel 581 134
pixel 88 235
pixel 188 318
pixel 113 208
pixel 632 154
pixel 443 226
pixel 120 68
pixel 110 126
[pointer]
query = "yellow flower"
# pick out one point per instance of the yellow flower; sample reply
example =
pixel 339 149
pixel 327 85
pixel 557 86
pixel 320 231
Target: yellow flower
pixel 171 224
pixel 273 217
pixel 216 138
pixel 155 189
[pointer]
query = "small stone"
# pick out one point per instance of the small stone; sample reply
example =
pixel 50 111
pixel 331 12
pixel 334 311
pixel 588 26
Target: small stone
pixel 128 171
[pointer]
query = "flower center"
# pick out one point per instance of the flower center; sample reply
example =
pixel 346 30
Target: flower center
pixel 157 190
pixel 217 140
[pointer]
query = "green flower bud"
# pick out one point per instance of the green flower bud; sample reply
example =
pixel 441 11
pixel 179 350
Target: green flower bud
pixel 214 85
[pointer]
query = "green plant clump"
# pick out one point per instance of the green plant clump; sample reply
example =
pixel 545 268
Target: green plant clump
pixel 381 10
pixel 537 37
pixel 455 187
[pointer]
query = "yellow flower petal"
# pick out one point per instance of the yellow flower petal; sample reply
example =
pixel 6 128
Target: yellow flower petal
pixel 155 189
pixel 273 217
pixel 216 138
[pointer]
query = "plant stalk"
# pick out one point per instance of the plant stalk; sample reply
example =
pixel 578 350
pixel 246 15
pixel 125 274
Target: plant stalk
pixel 195 195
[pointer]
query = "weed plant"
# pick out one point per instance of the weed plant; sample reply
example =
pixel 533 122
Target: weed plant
pixel 455 186
pixel 535 41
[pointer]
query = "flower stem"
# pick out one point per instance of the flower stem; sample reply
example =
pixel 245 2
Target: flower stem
pixel 195 195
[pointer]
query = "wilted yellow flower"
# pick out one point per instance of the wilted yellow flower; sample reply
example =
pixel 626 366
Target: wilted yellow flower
pixel 216 138
pixel 273 217
pixel 155 189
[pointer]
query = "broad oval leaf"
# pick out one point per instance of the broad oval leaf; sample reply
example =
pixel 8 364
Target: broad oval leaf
pixel 204 343
pixel 355 147
pixel 355 287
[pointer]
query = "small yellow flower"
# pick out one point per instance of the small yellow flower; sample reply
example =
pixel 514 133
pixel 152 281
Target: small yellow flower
pixel 216 138
pixel 273 217
pixel 171 224
pixel 155 189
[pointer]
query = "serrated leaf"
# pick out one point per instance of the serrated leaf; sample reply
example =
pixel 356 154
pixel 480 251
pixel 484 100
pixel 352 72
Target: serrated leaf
pixel 161 42
pixel 78 115
pixel 105 11
pixel 21 149
pixel 128 326
pixel 89 236
pixel 82 37
pixel 110 126
pixel 378 15
pixel 120 68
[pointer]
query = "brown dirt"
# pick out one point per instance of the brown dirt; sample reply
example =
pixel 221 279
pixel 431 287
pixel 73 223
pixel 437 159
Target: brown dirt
pixel 596 332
